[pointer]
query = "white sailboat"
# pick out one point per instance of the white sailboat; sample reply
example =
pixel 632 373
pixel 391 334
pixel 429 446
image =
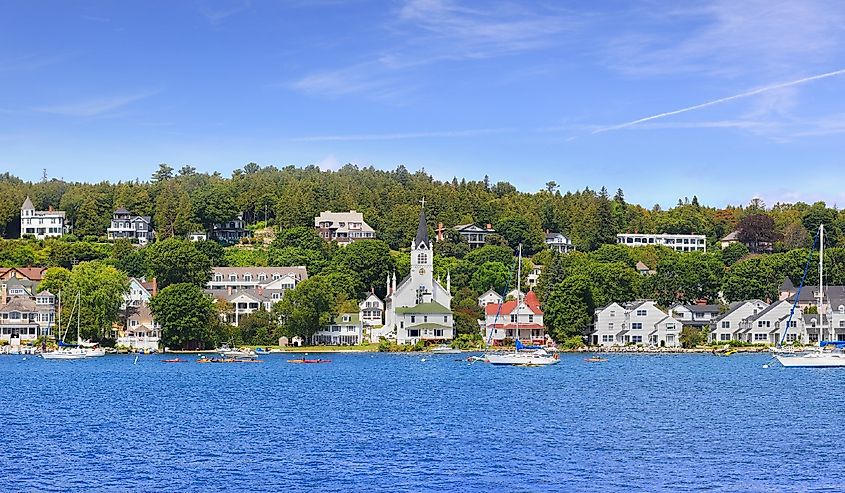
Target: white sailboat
pixel 62 353
pixel 521 355
pixel 828 353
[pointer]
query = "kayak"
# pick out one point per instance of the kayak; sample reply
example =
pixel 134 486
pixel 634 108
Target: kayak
pixel 174 360
pixel 303 360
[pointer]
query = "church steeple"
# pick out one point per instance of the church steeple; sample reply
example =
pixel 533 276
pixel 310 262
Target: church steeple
pixel 422 229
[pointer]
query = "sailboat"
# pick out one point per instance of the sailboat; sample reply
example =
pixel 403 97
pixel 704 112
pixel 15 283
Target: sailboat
pixel 64 351
pixel 820 356
pixel 521 355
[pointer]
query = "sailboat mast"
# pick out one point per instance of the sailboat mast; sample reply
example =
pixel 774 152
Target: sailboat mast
pixel 821 282
pixel 518 291
pixel 78 315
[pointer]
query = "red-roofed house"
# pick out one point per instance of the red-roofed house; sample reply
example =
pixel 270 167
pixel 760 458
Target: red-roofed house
pixel 30 273
pixel 524 316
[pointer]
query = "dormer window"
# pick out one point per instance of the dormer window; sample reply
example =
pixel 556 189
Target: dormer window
pixel 218 277
pixel 233 277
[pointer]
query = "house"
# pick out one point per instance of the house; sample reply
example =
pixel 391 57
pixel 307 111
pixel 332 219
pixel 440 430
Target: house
pixel 140 330
pixel 17 287
pixel 809 296
pixel 767 326
pixel 513 320
pixel 230 232
pixel 419 308
pixel 270 278
pixel 728 326
pixel 41 224
pixel 124 224
pixel 371 311
pixel 644 270
pixel 139 293
pixel 197 236
pixel 640 322
pixel 345 330
pixel 677 242
pixel 534 276
pixel 34 274
pixel 247 301
pixel 733 237
pixel 695 315
pixel 475 236
pixel 489 297
pixel 343 227
pixel 559 243
pixel 24 318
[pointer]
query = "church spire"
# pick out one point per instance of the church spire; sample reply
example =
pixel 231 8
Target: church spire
pixel 422 229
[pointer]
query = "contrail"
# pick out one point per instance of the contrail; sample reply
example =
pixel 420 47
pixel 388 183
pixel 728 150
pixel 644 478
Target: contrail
pixel 721 100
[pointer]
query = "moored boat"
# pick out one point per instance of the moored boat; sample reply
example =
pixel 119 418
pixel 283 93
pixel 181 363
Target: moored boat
pixel 444 349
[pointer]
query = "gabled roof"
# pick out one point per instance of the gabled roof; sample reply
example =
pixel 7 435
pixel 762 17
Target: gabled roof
pixel 424 308
pixel 121 210
pixel 699 308
pixel 508 307
pixel 31 273
pixel 732 236
pixel 786 285
pixel 354 318
pixel 641 266
pixel 488 292
pixel 766 310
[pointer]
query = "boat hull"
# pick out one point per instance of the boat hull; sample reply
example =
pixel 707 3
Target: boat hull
pixel 518 359
pixel 62 355
pixel 812 360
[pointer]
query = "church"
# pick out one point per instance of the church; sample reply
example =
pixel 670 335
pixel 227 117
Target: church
pixel 419 308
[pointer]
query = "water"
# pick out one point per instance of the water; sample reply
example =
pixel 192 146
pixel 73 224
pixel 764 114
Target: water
pixel 390 422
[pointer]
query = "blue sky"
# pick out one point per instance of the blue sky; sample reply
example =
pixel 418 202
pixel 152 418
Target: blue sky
pixel 524 92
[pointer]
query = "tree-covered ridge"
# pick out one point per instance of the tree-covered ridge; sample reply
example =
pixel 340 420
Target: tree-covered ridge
pixel 184 200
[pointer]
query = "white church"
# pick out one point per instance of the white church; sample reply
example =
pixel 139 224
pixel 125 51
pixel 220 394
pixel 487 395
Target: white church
pixel 419 308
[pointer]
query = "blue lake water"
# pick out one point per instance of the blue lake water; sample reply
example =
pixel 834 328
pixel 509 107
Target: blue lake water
pixel 391 422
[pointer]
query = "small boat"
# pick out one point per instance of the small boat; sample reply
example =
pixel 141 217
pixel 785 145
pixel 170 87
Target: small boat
pixel 444 349
pixel 303 360
pixel 206 359
pixel 68 351
pixel 473 359
pixel 174 360
pixel 595 359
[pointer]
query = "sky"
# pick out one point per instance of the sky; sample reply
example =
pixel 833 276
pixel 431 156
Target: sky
pixel 720 99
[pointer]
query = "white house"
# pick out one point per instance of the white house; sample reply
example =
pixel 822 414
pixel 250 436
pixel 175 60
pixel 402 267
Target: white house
pixel 521 320
pixel 25 317
pixel 236 278
pixel 534 276
pixel 345 330
pixel 41 224
pixel 126 225
pixel 678 242
pixel 371 310
pixel 343 227
pixel 490 296
pixel 141 331
pixel 418 308
pixel 639 322
pixel 728 326
pixel 474 235
pixel 767 326
pixel 559 243
pixel 695 315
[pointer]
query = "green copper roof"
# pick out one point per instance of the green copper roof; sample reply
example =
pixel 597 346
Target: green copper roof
pixel 427 326
pixel 353 319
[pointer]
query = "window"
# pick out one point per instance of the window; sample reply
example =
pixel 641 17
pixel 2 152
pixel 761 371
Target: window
pixel 670 326
pixel 726 324
pixel 725 337
pixel 610 326
pixel 637 326
pixel 218 277
pixel 422 258
pixel 445 319
pixel 636 339
pixel 531 318
pixel 425 318
pixel 641 313
pixel 761 337
pixel 438 332
pixel 513 318
pixel 607 338
pixel 612 313
pixel 414 333
pixel 791 337
pixel 413 319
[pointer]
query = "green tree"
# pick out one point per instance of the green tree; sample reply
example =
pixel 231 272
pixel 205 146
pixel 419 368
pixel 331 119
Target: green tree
pixel 309 306
pixel 163 173
pixel 186 315
pixel 300 237
pixel 518 230
pixel 733 252
pixel 175 261
pixel 491 275
pixel 213 250
pixel 568 311
pixel 369 260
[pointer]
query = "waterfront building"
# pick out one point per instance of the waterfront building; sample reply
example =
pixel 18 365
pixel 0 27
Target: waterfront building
pixel 343 227
pixel 728 325
pixel 124 224
pixel 559 243
pixel 41 224
pixel 521 319
pixel 372 310
pixel 475 236
pixel 33 274
pixel 139 293
pixel 345 330
pixel 767 326
pixel 834 295
pixel 419 308
pixel 244 302
pixel 25 317
pixel 678 242
pixel 490 296
pixel 140 330
pixel 640 322
pixel 230 232
pixel 695 315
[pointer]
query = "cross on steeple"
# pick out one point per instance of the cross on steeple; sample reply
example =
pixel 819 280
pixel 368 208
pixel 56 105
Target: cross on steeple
pixel 422 201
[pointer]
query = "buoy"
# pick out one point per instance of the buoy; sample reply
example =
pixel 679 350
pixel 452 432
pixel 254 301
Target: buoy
pixel 422 360
pixel 765 366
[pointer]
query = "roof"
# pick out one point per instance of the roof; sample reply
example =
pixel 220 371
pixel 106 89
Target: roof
pixel 31 273
pixel 642 266
pixel 354 318
pixel 734 307
pixel 121 210
pixel 20 304
pixel 422 229
pixel 530 300
pixel 432 307
pixel 473 228
pixel 786 285
pixel 702 308
pixel 732 236
pixel 514 326
pixel 428 325
pixel 299 271
pixel 488 292
pixel 552 236
pixel 766 310
pixel 343 217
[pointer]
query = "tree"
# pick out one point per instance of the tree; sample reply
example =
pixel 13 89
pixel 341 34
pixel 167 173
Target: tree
pixel 213 250
pixel 300 237
pixel 757 232
pixel 733 252
pixel 173 211
pixel 213 203
pixel 175 261
pixel 491 275
pixel 260 327
pixel 368 260
pixel 186 315
pixel 55 280
pixel 518 230
pixel 490 253
pixel 307 307
pixel 163 173
pixel 101 288
pixel 569 308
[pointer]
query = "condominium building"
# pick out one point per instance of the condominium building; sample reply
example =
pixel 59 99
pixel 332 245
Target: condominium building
pixel 678 242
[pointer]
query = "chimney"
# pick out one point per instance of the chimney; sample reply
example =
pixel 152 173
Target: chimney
pixel 439 231
pixel 229 290
pixel 155 286
pixel 489 226
pixel 50 208
pixel 260 290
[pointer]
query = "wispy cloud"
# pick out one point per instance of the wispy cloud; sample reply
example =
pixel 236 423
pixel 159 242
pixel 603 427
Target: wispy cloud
pixel 730 38
pixel 699 106
pixel 217 11
pixel 27 62
pixel 94 107
pixel 404 135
